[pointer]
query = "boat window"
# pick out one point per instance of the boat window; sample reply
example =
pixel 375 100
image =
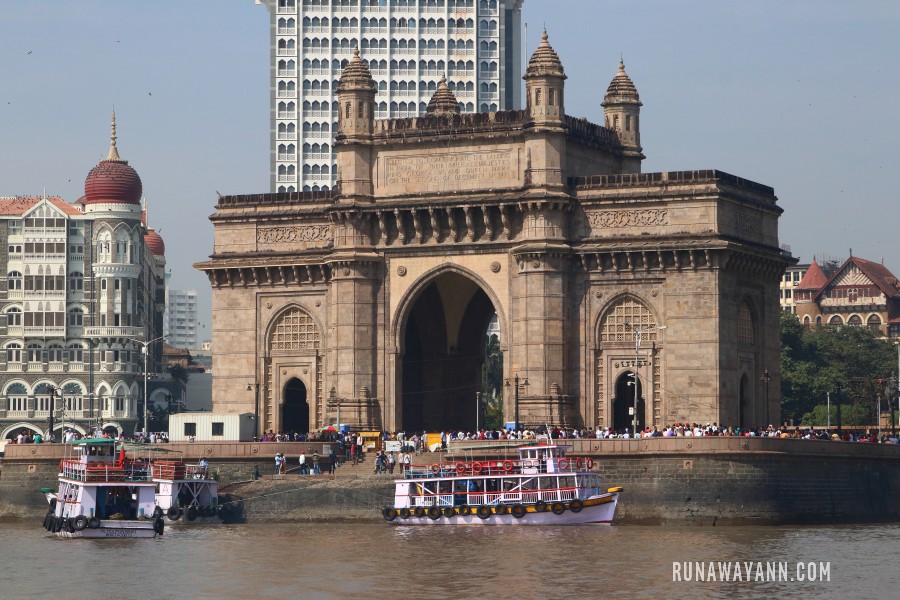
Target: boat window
pixel 547 483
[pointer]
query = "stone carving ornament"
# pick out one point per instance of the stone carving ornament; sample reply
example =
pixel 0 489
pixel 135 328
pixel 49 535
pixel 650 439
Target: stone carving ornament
pixel 280 235
pixel 628 218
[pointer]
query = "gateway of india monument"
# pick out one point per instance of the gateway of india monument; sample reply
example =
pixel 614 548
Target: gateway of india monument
pixel 369 304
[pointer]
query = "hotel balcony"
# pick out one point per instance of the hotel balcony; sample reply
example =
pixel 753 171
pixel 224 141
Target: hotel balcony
pixel 114 332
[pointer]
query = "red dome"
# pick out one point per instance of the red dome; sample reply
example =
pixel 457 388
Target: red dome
pixel 112 181
pixel 155 243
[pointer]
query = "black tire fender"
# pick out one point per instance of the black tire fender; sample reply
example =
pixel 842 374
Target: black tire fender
pixel 576 505
pixel 518 511
pixel 94 523
pixel 174 513
pixel 484 512
pixel 540 506
pixel 191 513
pixel 559 508
pixel 389 513
pixel 80 522
pixel 419 511
pixel 502 509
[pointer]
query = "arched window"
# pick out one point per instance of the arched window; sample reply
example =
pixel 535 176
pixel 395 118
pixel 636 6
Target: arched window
pixel 623 317
pixel 14 317
pixel 14 280
pixel 854 321
pixel 76 317
pixel 835 320
pixel 874 322
pixel 14 353
pixel 294 330
pixel 55 353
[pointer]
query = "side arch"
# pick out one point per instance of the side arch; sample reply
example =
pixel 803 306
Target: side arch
pixel 614 340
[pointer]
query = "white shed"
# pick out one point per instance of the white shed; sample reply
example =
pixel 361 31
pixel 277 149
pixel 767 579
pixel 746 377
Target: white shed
pixel 211 427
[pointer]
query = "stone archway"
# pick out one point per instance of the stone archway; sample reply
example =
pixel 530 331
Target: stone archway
pixel 295 408
pixel 442 336
pixel 623 404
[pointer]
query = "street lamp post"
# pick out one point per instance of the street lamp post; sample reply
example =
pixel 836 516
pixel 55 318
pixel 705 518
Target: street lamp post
pixel 837 398
pixel 255 386
pixel 516 396
pixel 638 333
pixel 144 351
pixel 766 378
pixel 52 412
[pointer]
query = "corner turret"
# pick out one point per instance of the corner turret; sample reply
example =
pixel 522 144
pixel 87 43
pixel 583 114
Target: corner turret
pixel 621 111
pixel 544 83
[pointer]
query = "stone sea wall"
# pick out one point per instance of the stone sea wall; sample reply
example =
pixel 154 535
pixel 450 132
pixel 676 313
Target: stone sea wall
pixel 679 481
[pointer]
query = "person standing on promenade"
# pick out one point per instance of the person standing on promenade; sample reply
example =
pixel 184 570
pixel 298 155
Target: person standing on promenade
pixel 302 459
pixel 315 461
pixel 392 460
pixel 331 461
pixel 277 463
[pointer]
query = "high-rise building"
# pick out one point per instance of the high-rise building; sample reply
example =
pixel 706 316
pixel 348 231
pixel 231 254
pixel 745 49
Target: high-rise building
pixel 408 45
pixel 82 295
pixel 180 325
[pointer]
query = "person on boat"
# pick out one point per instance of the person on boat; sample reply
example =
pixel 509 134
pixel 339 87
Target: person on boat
pixel 204 467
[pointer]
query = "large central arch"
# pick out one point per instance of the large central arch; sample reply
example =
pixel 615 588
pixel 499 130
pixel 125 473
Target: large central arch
pixel 442 341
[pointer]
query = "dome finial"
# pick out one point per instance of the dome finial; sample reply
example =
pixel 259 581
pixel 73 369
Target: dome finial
pixel 356 51
pixel 113 152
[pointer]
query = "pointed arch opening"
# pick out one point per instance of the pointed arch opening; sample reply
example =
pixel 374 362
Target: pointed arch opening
pixel 444 337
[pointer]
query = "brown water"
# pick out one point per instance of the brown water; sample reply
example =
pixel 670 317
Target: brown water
pixel 387 562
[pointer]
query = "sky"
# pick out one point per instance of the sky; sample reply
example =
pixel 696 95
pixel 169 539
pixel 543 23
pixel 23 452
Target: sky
pixel 800 95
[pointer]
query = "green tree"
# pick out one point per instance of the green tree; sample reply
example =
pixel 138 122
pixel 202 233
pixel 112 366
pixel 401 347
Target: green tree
pixel 843 361
pixel 492 383
pixel 178 373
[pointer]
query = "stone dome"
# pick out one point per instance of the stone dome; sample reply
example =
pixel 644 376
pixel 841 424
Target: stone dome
pixel 443 101
pixel 112 181
pixel 544 61
pixel 155 243
pixel 621 88
pixel 356 75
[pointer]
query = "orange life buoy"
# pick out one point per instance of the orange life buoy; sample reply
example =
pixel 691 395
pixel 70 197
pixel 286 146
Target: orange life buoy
pixel 476 467
pixel 460 467
pixel 563 464
pixel 435 468
pixel 579 463
pixel 507 465
pixel 589 463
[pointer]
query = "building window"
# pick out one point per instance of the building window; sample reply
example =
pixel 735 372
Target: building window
pixel 835 320
pixel 190 429
pixel 14 280
pixel 295 330
pixel 76 317
pixel 620 321
pixel 14 353
pixel 218 429
pixel 745 325
pixel 76 354
pixel 14 317
pixel 874 322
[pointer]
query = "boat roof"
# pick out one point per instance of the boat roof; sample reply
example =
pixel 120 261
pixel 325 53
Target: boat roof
pixel 93 441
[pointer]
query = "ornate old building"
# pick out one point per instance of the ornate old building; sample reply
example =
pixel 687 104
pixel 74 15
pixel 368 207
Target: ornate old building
pixel 858 293
pixel 84 287
pixel 369 303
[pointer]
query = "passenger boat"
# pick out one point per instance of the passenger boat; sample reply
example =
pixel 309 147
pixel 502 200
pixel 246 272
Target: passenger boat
pixel 542 486
pixel 104 492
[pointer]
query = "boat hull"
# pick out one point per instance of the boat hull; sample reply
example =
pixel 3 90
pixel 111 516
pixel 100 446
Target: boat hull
pixel 112 529
pixel 598 510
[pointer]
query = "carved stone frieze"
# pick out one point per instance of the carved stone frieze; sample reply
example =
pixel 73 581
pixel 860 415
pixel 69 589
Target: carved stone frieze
pixel 606 219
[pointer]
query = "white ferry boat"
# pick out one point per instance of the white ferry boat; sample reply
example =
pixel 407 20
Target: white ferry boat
pixel 542 486
pixel 104 492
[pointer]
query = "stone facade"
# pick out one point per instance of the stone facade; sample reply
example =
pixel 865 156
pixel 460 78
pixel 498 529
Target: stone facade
pixel 368 304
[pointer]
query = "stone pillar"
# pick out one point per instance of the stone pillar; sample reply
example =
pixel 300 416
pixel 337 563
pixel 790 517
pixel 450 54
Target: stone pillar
pixel 351 324
pixel 538 348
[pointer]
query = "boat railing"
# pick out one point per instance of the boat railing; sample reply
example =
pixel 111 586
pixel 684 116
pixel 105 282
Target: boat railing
pixel 169 469
pixel 498 467
pixel 95 472
pixel 493 498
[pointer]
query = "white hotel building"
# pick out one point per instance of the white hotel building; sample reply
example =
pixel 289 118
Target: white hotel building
pixel 408 44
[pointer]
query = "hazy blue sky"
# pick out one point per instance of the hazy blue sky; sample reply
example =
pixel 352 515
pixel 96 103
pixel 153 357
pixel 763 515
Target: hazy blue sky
pixel 800 95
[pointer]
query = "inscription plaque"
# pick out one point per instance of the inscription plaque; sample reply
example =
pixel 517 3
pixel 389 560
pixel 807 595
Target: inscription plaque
pixel 452 171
